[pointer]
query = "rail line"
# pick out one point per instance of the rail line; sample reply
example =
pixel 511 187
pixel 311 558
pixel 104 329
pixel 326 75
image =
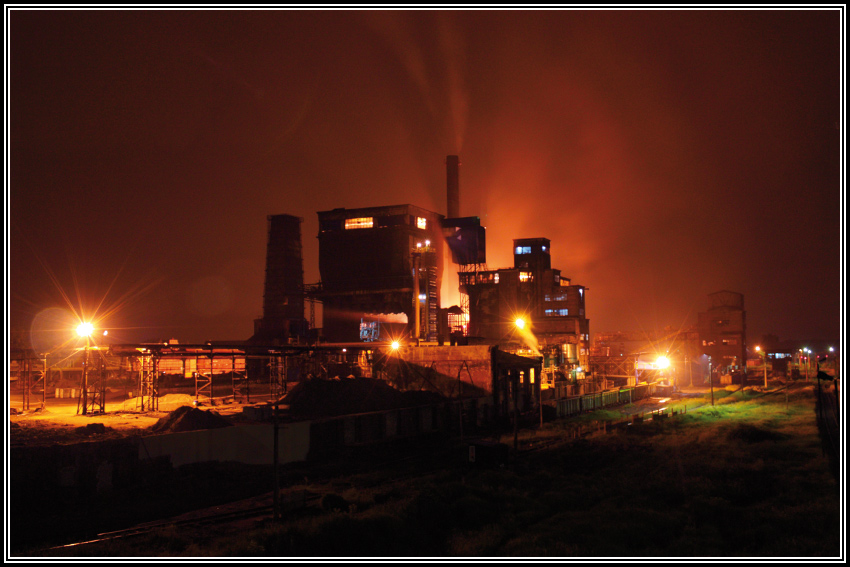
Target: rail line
pixel 418 464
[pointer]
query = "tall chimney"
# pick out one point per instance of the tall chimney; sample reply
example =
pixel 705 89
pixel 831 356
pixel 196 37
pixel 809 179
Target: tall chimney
pixel 453 187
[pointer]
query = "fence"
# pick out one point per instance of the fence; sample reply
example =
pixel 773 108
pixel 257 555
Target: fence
pixel 589 402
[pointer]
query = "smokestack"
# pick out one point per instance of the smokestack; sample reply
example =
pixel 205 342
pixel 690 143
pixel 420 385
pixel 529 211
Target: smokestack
pixel 453 186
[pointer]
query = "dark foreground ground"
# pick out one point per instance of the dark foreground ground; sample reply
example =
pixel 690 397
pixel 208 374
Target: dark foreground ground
pixel 746 478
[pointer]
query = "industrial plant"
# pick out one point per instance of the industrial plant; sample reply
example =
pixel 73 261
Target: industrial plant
pixel 518 342
pixel 391 367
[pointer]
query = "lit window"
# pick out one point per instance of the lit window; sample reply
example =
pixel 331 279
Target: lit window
pixel 523 249
pixel 362 222
pixel 496 278
pixel 421 222
pixel 525 276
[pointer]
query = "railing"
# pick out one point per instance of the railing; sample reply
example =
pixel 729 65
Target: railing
pixel 588 402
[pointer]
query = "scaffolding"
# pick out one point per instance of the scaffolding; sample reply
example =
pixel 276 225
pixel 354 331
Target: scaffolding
pixel 92 397
pixel 468 273
pixel 277 377
pixel 33 380
pixel 148 384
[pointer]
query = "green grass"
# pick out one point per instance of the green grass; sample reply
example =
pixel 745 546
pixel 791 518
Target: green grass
pixel 744 478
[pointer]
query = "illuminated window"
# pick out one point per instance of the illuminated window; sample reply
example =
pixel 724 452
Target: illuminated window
pixel 525 276
pixel 556 312
pixel 421 222
pixel 523 249
pixel 362 222
pixel 496 278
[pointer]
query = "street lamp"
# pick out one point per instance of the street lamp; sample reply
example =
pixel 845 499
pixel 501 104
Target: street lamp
pixel 520 323
pixel 763 363
pixel 85 329
pixel 808 361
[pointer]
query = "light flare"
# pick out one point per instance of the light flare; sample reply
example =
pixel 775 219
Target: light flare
pixel 85 329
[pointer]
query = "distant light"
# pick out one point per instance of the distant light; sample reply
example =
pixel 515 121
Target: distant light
pixel 422 297
pixel 831 349
pixel 579 369
pixel 758 349
pixel 520 323
pixel 419 245
pixel 105 333
pixel 427 243
pixel 395 345
pixel 345 350
pixel 662 362
pixel 85 329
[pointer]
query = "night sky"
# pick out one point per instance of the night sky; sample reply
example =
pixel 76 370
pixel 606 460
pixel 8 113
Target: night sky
pixel 666 154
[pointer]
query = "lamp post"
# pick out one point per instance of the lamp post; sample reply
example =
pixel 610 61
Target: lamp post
pixel 763 363
pixel 808 361
pixel 84 330
pixel 710 381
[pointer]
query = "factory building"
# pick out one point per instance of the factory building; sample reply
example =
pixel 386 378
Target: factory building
pixel 723 329
pixel 532 292
pixel 381 269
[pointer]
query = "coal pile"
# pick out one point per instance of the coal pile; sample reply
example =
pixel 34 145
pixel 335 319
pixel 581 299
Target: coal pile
pixel 92 429
pixel 328 398
pixel 187 418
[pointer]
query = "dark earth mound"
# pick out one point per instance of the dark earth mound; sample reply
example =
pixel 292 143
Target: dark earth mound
pixel 187 418
pixel 328 398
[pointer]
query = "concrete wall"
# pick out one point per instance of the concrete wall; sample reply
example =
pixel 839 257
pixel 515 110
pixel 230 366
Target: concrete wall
pixel 249 444
pixel 438 366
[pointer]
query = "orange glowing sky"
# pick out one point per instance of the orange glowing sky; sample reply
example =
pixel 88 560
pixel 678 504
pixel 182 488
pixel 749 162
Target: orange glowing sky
pixel 666 154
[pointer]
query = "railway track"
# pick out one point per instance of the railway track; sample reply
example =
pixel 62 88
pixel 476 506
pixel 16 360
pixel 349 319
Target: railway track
pixel 401 469
pixel 398 469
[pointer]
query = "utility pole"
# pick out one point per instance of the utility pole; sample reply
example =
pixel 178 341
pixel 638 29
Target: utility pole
pixel 274 464
pixel 82 407
pixel 710 381
pixel 540 396
pixel 764 364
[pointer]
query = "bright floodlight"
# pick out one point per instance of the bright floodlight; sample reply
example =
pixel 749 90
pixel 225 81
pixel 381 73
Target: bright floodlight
pixel 395 345
pixel 85 329
pixel 520 323
pixel 758 349
pixel 831 349
pixel 662 362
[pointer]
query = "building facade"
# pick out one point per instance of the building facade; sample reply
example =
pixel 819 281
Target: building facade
pixel 380 265
pixel 548 304
pixel 723 329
